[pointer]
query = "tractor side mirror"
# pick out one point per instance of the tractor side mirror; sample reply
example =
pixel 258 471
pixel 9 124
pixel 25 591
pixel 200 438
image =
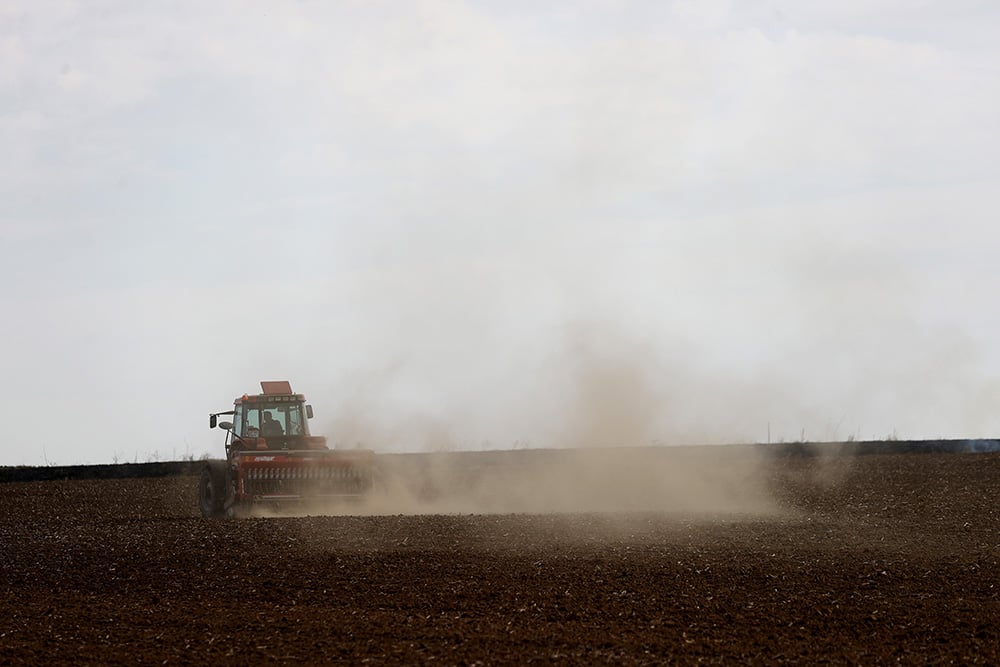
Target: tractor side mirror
pixel 226 426
pixel 309 412
pixel 212 420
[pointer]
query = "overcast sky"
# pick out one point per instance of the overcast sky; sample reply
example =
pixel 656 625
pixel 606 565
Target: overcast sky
pixel 498 224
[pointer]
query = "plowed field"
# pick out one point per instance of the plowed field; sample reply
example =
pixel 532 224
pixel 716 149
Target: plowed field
pixel 881 559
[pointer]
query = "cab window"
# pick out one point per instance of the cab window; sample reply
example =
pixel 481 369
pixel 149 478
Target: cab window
pixel 252 423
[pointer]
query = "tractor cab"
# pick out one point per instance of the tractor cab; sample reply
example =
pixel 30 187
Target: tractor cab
pixel 277 418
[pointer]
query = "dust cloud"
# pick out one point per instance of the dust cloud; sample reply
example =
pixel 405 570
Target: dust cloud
pixel 606 402
pixel 603 406
pixel 683 481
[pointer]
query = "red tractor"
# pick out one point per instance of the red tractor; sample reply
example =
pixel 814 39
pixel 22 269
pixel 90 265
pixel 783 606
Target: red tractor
pixel 271 458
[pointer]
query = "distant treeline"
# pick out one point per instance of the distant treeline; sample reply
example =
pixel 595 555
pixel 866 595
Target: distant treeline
pixel 101 471
pixel 776 450
pixel 867 447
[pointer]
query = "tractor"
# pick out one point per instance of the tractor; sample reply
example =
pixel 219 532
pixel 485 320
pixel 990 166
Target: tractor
pixel 273 461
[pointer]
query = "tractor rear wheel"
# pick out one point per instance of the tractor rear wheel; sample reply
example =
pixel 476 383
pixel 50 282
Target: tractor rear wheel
pixel 212 490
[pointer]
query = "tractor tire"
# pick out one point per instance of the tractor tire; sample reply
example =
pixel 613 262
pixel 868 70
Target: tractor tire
pixel 212 490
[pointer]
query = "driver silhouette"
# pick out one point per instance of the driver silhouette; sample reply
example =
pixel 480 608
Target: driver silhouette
pixel 270 426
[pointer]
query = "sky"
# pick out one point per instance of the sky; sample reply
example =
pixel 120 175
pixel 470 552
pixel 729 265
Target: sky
pixel 464 225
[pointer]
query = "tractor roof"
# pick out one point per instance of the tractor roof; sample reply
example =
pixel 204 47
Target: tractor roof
pixel 273 390
pixel 276 386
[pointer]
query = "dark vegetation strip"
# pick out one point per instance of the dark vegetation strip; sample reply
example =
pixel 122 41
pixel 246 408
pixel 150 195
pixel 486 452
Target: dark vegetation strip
pixel 776 450
pixel 865 447
pixel 101 471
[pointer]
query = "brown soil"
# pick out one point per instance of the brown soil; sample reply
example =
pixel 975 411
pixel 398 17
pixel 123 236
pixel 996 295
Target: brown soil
pixel 877 559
